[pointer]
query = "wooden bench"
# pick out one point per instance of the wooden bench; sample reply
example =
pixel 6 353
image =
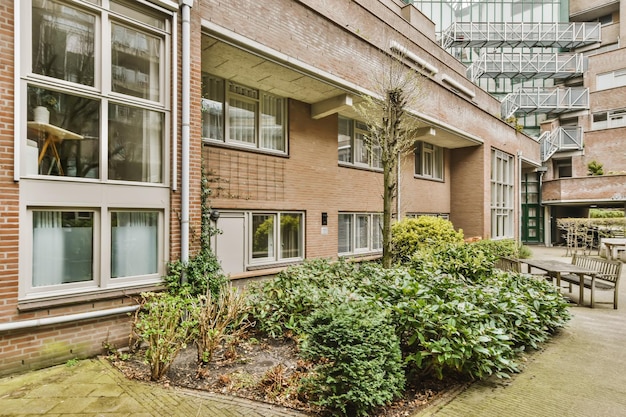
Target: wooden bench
pixel 504 263
pixel 606 276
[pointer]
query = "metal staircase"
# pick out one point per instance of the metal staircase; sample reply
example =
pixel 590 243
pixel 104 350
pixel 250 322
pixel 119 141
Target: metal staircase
pixel 541 100
pixel 561 139
pixel 526 66
pixel 526 35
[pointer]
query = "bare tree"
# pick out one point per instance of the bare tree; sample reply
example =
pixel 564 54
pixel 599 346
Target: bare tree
pixel 392 128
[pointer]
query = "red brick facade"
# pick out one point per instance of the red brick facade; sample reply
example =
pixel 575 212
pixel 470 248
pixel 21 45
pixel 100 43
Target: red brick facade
pixel 339 41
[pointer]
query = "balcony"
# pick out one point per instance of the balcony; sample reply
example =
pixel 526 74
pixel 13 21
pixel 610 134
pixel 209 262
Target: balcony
pixel 568 138
pixel 603 188
pixel 525 35
pixel 526 66
pixel 541 100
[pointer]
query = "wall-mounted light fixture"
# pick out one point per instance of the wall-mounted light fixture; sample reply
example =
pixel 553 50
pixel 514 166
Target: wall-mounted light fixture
pixel 214 215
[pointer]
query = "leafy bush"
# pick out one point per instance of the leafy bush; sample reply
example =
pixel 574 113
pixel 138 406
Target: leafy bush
pixel 504 247
pixel 409 235
pixel 201 273
pixel 460 316
pixel 359 363
pixel 469 261
pixel 166 322
pixel 282 304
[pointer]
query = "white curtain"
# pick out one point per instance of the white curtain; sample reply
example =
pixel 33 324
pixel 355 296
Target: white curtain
pixel 134 246
pixel 48 248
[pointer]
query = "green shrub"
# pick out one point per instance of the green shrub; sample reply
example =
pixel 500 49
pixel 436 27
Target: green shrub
pixel 358 359
pixel 409 235
pixel 281 304
pixel 166 323
pixel 468 261
pixel 449 324
pixel 201 273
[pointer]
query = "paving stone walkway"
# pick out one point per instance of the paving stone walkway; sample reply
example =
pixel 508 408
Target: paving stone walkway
pixel 94 388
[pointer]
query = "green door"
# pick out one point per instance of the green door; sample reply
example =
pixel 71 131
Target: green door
pixel 532 222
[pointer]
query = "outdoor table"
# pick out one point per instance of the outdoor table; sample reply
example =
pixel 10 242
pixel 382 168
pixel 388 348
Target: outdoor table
pixel 556 268
pixel 611 243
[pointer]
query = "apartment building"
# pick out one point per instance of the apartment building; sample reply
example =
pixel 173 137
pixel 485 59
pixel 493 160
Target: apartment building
pixel 113 109
pixel 556 67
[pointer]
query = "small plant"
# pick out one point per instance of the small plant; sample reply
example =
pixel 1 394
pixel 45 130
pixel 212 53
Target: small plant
pixel 166 323
pixel 358 359
pixel 220 319
pixel 594 168
pixel 71 362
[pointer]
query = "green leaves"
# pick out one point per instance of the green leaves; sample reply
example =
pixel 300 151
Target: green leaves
pixel 359 363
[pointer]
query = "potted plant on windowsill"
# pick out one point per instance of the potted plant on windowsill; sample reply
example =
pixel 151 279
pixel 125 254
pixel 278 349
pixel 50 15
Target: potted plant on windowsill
pixel 45 102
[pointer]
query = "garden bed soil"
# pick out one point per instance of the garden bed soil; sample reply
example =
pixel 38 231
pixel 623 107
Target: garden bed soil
pixel 265 370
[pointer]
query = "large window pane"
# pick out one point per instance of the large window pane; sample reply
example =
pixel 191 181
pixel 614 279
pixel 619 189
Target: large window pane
pixel 212 108
pixel 63 42
pixel 345 140
pixel 134 243
pixel 62 247
pixel 291 235
pixel 135 144
pixel 242 121
pixel 272 123
pixel 362 232
pixel 262 236
pixel 377 232
pixel 135 62
pixel 63 134
pixel 345 233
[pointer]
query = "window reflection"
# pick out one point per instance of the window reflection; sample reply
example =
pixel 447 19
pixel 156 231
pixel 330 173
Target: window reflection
pixel 135 144
pixel 135 57
pixel 63 42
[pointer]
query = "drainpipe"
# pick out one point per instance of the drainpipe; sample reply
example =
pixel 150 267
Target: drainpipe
pixel 70 318
pixel 185 102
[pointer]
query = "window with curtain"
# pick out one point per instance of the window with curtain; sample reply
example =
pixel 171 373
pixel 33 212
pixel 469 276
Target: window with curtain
pixel 429 161
pixel 276 236
pixel 62 247
pixel 353 146
pixel 134 243
pixel 360 233
pixel 242 116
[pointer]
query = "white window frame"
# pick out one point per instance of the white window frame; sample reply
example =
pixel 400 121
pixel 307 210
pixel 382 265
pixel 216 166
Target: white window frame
pixel 276 240
pixel 371 245
pixel 429 161
pixel 502 195
pixel 100 196
pixel 235 91
pixel 610 119
pixel 611 79
pixel 362 154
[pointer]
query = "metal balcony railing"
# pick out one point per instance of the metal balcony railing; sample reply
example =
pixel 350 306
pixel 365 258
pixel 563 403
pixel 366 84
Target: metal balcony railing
pixel 541 100
pixel 526 66
pixel 568 35
pixel 561 139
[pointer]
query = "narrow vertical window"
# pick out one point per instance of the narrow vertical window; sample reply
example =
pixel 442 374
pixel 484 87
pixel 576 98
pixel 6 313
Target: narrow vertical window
pixel 262 236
